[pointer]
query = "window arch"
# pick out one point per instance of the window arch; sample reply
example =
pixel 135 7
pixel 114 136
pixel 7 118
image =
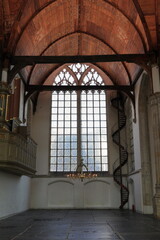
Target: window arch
pixel 78 122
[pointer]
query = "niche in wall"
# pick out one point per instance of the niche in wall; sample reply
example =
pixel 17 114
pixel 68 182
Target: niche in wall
pixel 96 194
pixel 60 194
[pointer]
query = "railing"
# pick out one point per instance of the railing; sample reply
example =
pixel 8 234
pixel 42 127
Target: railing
pixel 123 154
pixel 17 153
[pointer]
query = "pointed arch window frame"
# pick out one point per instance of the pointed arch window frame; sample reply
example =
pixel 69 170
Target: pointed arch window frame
pixel 89 154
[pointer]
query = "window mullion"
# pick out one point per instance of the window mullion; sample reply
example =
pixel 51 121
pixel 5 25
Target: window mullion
pixel 70 149
pixel 106 126
pixel 93 97
pixel 64 138
pixel 87 132
pixel 100 127
pixel 78 127
pixel 57 132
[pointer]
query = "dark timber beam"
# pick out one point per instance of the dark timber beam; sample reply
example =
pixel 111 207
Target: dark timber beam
pixel 20 62
pixel 40 88
pixel 128 90
pixel 131 58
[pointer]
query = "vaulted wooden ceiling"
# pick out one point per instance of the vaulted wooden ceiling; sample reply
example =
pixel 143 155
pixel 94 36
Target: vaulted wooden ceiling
pixel 80 27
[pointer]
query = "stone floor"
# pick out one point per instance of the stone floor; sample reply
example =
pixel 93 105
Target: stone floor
pixel 79 225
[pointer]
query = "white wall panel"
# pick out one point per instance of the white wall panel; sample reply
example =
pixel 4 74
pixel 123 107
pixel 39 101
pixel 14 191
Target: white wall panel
pixel 61 194
pixel 14 194
pixel 96 194
pixel 65 193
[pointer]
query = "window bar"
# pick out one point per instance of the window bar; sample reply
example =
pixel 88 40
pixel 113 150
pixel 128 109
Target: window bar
pixel 70 121
pixel 87 130
pixel 55 134
pixel 50 162
pixel 79 120
pixel 94 155
pixel 106 128
pixel 100 128
pixel 64 127
pixel 57 113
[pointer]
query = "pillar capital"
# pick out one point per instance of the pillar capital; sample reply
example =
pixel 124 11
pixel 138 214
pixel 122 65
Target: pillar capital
pixel 154 99
pixel 156 78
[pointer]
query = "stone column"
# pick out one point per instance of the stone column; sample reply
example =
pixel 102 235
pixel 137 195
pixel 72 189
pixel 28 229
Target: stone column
pixel 154 125
pixel 156 78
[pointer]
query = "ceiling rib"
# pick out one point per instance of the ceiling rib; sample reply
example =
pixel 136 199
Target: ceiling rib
pixel 29 20
pixel 79 5
pixel 106 73
pixel 79 11
pixel 139 10
pixel 91 35
pixel 133 24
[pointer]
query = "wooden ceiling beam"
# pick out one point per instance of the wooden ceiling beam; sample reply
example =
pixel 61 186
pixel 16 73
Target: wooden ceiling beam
pixel 19 62
pixel 130 58
pixel 40 88
pixel 30 89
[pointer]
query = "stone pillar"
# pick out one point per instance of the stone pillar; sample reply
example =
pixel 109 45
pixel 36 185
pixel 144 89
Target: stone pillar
pixel 154 125
pixel 156 78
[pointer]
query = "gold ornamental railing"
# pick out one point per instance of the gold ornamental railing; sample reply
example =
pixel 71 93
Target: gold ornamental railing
pixel 17 153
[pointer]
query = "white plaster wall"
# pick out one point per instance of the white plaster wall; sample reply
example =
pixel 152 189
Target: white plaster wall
pixel 60 194
pixel 137 189
pixel 156 78
pixel 152 112
pixel 152 152
pixel 113 150
pixel 65 193
pixel 54 192
pixel 40 132
pixel 136 133
pixel 14 194
pixel 97 194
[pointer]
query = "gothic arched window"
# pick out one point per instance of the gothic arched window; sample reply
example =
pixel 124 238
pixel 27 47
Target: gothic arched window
pixel 78 122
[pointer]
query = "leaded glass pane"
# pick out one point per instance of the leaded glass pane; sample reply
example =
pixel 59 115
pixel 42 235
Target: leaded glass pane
pixel 78 122
pixel 97 167
pixel 92 110
pixel 105 167
pixel 53 168
pixel 67 168
pixel 53 160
